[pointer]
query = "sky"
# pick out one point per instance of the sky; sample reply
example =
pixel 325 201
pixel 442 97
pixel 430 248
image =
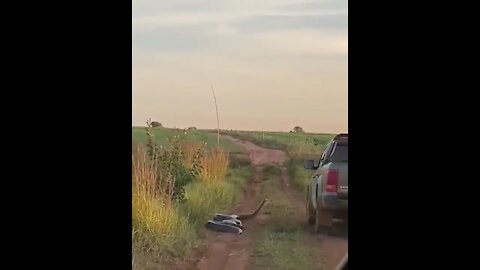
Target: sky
pixel 274 64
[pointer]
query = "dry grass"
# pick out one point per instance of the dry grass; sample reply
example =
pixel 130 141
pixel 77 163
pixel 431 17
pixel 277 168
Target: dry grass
pixel 214 163
pixel 214 166
pixel 163 228
pixel 190 152
pixel 155 220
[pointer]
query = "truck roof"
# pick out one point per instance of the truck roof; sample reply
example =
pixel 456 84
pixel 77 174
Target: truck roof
pixel 341 137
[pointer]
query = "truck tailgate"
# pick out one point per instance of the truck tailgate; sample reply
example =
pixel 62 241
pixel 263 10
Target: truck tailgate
pixel 342 190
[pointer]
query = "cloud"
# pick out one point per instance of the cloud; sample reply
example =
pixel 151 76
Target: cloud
pixel 180 19
pixel 226 29
pixel 257 27
pixel 196 18
pixel 305 42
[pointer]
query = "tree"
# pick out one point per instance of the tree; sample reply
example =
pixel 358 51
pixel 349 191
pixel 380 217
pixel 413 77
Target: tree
pixel 156 124
pixel 298 129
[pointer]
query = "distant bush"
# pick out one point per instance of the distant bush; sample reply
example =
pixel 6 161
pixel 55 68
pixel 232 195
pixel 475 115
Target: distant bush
pixel 156 124
pixel 298 129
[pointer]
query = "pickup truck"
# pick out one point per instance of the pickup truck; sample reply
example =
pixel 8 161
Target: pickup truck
pixel 327 193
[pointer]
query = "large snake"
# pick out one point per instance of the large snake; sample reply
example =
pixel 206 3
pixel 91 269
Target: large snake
pixel 231 223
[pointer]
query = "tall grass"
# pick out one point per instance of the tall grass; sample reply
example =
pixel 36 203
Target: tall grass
pixel 299 176
pixel 164 227
pixel 203 199
pixel 191 152
pixel 156 224
pixel 214 166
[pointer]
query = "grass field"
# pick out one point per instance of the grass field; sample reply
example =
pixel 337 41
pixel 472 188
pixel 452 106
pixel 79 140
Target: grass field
pixel 162 135
pixel 295 144
pixel 164 228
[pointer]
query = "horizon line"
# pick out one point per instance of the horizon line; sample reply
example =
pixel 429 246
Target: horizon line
pixel 214 129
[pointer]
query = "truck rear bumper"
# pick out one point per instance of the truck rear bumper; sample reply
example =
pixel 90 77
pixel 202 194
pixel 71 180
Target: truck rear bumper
pixel 332 202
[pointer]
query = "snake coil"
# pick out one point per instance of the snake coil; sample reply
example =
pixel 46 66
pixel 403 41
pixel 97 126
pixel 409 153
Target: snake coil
pixel 231 223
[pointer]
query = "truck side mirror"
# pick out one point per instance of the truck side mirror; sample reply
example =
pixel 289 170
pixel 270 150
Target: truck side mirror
pixel 310 165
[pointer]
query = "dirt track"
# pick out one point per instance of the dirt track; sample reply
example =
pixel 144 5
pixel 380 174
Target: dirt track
pixel 228 251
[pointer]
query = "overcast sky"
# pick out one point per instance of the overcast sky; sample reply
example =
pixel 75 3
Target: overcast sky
pixel 274 64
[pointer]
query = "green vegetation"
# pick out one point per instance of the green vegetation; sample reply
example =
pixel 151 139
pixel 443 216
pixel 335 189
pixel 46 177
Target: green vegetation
pixel 177 183
pixel 295 144
pixel 298 146
pixel 282 244
pixel 203 200
pixel 300 177
pixel 162 134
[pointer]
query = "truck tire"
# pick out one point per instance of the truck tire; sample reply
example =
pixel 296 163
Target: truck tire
pixel 310 212
pixel 323 220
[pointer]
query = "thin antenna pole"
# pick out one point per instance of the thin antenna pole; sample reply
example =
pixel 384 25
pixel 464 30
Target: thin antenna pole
pixel 218 123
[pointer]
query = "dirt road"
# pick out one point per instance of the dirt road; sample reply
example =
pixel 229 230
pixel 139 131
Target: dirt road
pixel 235 252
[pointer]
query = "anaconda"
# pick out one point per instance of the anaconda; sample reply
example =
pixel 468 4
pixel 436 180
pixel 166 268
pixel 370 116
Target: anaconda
pixel 232 223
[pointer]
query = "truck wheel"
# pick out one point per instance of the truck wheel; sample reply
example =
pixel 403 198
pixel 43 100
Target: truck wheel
pixel 309 210
pixel 323 220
